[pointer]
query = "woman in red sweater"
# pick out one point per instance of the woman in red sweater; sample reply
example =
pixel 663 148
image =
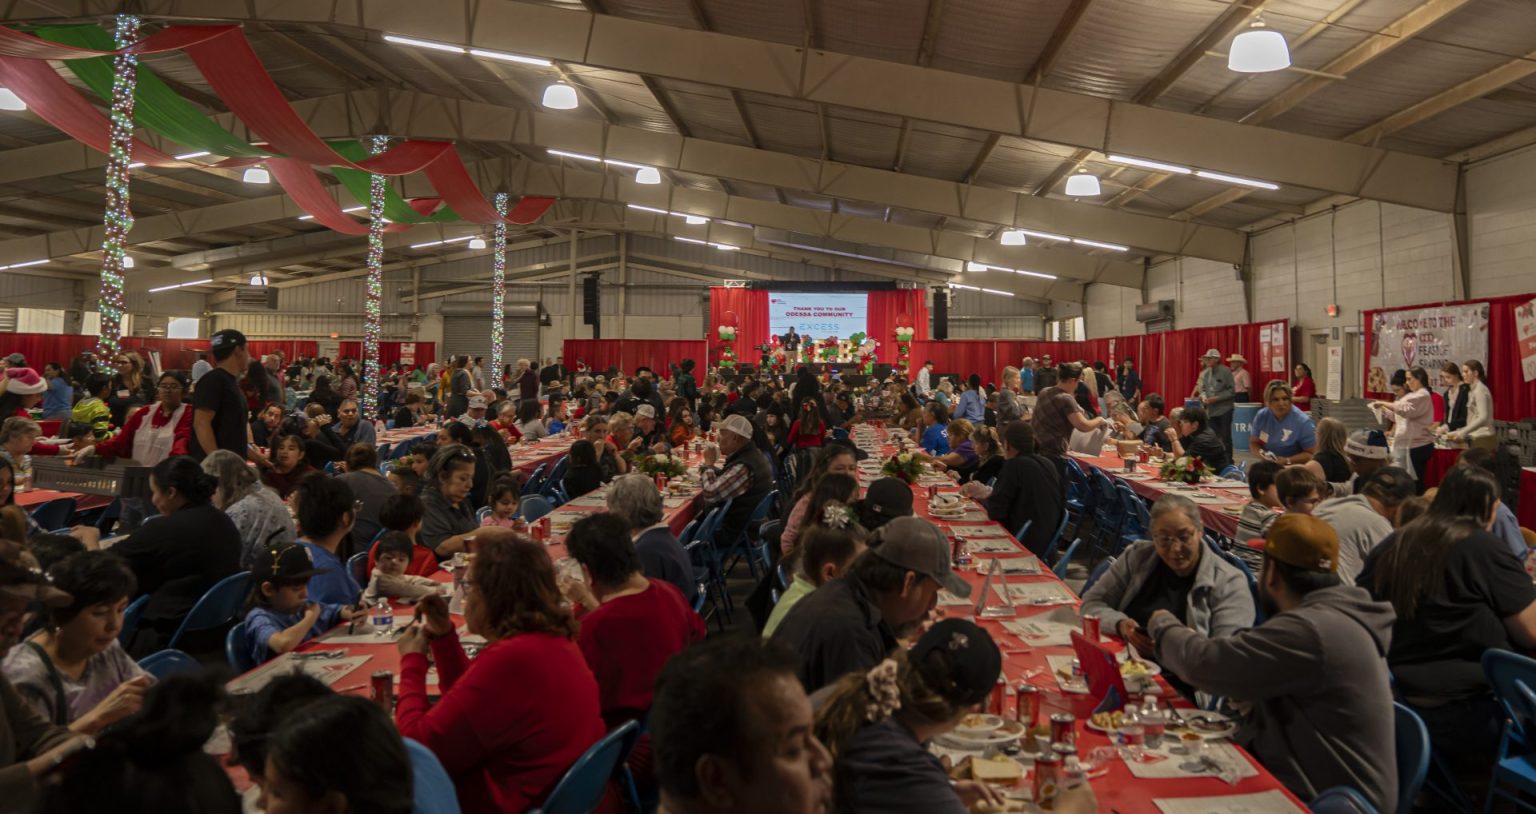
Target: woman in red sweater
pixel 156 432
pixel 510 723
pixel 808 430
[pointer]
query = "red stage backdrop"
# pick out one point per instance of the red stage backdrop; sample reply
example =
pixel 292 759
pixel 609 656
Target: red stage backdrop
pixel 1513 397
pixel 886 311
pixel 750 307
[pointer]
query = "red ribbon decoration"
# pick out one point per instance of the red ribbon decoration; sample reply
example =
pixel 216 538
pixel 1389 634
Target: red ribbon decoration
pixel 225 58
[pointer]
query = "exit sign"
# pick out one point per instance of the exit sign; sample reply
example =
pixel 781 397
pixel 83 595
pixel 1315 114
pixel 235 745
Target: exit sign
pixel 1333 310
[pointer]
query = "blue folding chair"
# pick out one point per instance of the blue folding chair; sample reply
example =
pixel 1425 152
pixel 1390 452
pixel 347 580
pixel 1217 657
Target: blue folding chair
pixel 1341 800
pixel 216 608
pixel 1098 571
pixel 55 513
pixel 1233 472
pixel 1512 677
pixel 704 574
pixel 556 476
pixel 1412 739
pixel 482 513
pixel 131 616
pixel 109 516
pixel 166 663
pixel 535 481
pixel 1137 521
pixel 1060 568
pixel 357 566
pixel 743 546
pixel 689 531
pixel 1253 584
pixel 237 650
pixel 584 784
pixel 1081 499
pixel 1023 530
pixel 1055 543
pixel 1108 515
pixel 534 507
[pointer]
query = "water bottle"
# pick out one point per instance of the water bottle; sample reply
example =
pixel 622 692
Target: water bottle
pixel 1154 720
pixel 1132 733
pixel 383 618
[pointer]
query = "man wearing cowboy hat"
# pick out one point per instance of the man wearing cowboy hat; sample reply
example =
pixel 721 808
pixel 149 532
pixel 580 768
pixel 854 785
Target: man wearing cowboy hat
pixel 1242 380
pixel 1215 389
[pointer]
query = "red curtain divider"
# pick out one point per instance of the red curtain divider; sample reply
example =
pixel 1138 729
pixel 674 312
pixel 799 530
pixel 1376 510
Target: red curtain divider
pixel 887 310
pixel 389 352
pixel 629 354
pixel 750 307
pixel 962 357
pixel 1514 398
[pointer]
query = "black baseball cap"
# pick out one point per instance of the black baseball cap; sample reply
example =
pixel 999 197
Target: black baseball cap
pixel 973 658
pixel 285 561
pixel 224 342
pixel 888 497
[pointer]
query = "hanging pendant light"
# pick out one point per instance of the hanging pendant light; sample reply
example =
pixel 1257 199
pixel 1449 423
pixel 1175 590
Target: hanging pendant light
pixel 1083 185
pixel 560 96
pixel 10 101
pixel 256 175
pixel 648 176
pixel 476 243
pixel 127 261
pixel 1258 50
pixel 1012 237
pixel 258 279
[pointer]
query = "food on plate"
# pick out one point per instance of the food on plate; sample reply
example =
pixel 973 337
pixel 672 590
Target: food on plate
pixel 998 769
pixel 1009 804
pixel 973 721
pixel 1107 720
pixel 1132 669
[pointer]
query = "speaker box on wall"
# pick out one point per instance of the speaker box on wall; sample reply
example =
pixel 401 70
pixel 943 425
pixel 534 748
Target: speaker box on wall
pixel 592 305
pixel 941 313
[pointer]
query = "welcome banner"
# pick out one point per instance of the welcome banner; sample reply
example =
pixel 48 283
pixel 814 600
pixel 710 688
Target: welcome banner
pixel 1427 338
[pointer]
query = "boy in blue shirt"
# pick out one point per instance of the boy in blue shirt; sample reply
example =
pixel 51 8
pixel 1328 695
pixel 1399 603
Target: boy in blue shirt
pixel 281 617
pixel 935 421
pixel 325 511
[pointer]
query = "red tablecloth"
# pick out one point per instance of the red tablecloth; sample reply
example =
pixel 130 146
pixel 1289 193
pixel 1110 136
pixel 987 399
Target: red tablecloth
pixel 1440 462
pixel 36 497
pixel 1527 513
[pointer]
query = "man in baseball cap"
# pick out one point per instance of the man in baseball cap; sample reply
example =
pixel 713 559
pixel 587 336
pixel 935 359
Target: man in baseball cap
pixel 1314 673
pixel 1217 390
pixel 744 478
pixel 219 410
pixel 649 430
pixel 852 623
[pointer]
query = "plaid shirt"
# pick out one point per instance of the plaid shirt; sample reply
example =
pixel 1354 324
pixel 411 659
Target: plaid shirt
pixel 720 486
pixel 1053 421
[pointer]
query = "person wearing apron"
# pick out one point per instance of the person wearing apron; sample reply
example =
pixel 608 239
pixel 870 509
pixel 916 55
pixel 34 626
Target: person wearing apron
pixel 151 435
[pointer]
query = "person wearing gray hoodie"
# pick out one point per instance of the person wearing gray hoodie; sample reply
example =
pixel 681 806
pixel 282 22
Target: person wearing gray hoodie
pixel 1313 676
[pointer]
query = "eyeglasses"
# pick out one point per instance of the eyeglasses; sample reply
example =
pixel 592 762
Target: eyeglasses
pixel 168 386
pixel 1170 540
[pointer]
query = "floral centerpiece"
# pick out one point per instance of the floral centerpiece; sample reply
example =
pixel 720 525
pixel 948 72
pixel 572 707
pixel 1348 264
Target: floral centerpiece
pixel 1186 469
pixel 907 466
pixel 661 464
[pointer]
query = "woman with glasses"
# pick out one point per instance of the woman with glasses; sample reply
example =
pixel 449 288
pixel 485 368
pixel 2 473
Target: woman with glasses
pixel 157 432
pixel 1173 571
pixel 129 387
pixel 510 722
pixel 449 520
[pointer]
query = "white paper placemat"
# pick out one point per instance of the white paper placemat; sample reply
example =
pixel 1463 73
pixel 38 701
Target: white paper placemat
pixel 327 670
pixel 1036 593
pixel 992 545
pixel 979 530
pixel 1052 629
pixel 1264 802
pixel 1180 766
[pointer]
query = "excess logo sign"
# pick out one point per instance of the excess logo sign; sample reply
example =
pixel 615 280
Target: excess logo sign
pixel 818 315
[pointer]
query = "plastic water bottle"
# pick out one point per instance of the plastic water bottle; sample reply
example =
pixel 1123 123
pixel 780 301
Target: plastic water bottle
pixel 1154 720
pixel 1132 733
pixel 383 618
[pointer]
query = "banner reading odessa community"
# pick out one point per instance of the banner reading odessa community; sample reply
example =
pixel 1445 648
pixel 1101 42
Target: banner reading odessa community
pixel 1427 338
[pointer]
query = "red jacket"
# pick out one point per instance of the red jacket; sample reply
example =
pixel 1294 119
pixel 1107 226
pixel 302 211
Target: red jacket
pixel 423 561
pixel 37 449
pixel 510 723
pixel 121 445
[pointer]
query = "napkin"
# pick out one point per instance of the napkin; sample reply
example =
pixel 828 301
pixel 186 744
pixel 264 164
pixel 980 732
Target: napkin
pixel 1036 593
pixel 1273 801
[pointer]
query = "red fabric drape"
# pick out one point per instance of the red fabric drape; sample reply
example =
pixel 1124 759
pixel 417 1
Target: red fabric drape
pixel 175 354
pixel 962 357
pixel 750 307
pixel 629 354
pixel 887 309
pixel 389 352
pixel 1513 397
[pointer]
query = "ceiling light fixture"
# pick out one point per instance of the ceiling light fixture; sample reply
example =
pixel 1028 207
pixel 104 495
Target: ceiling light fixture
pixel 695 220
pixel 1012 237
pixel 135 165
pixel 575 156
pixel 348 209
pixel 972 265
pixel 995 291
pixel 476 243
pixel 10 101
pixel 428 44
pixel 648 176
pixel 199 154
pixel 965 287
pixel 1046 235
pixel 1114 247
pixel 650 209
pixel 1235 179
pixel 505 57
pixel 23 265
pixel 627 165
pixel 180 285
pixel 256 175
pixel 127 261
pixel 258 279
pixel 560 96
pixel 1083 185
pixel 726 247
pixel 1151 165
pixel 1258 50
pixel 1042 275
pixel 431 243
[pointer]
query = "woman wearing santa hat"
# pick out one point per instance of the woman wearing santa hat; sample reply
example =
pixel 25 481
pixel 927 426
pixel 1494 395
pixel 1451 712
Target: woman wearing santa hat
pixel 24 390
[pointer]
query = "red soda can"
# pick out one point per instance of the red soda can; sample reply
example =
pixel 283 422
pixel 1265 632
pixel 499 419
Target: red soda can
pixel 1027 709
pixel 661 482
pixel 1143 455
pixel 1047 779
pixel 381 689
pixel 999 694
pixel 1091 627
pixel 1064 728
pixel 955 551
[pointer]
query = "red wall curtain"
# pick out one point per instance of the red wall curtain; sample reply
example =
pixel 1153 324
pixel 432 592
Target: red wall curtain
pixel 1513 397
pixel 175 354
pixel 750 306
pixel 887 310
pixel 961 357
pixel 389 352
pixel 597 354
pixel 629 354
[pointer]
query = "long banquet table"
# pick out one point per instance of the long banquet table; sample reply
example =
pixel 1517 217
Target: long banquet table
pixel 1219 505
pixel 1116 788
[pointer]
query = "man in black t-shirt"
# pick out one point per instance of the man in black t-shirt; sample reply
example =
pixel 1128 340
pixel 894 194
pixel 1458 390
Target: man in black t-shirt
pixel 219 408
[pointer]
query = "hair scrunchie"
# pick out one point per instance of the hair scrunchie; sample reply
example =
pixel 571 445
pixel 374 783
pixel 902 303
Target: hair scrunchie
pixel 884 692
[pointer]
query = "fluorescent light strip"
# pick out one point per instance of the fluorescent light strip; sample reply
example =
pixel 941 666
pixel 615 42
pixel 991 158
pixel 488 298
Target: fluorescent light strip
pixel 135 165
pixel 612 162
pixel 348 209
pixel 724 247
pixel 964 286
pixel 1042 275
pixel 1151 165
pixel 180 285
pixel 1046 235
pixel 577 156
pixel 617 163
pixel 653 210
pixel 1097 245
pixel 185 156
pixel 505 57
pixel 995 291
pixel 971 265
pixel 23 265
pixel 690 240
pixel 441 242
pixel 1234 179
pixel 435 46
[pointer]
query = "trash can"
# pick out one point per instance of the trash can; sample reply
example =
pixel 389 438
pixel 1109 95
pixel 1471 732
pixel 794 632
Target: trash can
pixel 1242 423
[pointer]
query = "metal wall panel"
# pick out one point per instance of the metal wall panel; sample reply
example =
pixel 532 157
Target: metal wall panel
pixel 471 336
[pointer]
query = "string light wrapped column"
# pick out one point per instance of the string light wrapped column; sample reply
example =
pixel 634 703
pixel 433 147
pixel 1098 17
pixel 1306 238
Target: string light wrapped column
pixel 119 218
pixel 498 285
pixel 373 303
